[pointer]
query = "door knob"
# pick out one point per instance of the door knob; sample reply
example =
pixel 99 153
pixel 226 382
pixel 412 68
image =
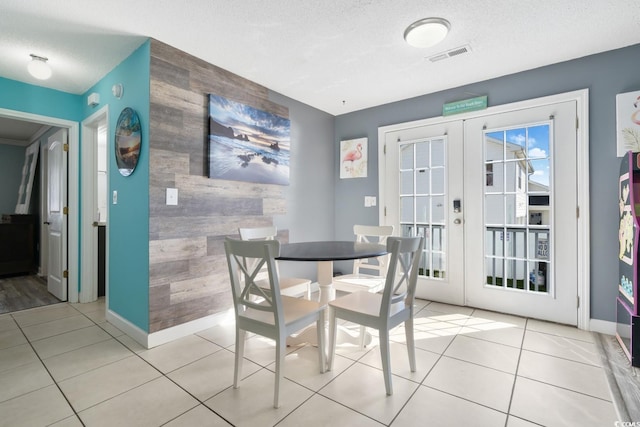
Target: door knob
pixel 457 221
pixel 46 223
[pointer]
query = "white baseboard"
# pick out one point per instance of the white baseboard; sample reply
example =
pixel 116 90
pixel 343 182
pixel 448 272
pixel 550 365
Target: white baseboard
pixel 602 326
pixel 166 335
pixel 127 327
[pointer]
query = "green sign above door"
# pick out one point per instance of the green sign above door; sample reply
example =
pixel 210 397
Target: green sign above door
pixel 472 104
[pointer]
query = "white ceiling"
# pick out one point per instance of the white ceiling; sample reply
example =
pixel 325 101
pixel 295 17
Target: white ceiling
pixel 336 55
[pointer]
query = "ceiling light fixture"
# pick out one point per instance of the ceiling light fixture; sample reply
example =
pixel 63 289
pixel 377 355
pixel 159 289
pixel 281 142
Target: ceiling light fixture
pixel 427 32
pixel 39 68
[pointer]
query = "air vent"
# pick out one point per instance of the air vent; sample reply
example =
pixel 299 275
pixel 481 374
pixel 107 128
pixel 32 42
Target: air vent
pixel 450 53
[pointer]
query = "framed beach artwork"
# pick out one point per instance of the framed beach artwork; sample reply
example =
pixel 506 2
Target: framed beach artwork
pixel 127 141
pixel 628 122
pixel 247 144
pixel 353 158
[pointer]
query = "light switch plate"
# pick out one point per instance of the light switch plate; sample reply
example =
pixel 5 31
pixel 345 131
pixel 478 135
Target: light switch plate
pixel 369 201
pixel 172 196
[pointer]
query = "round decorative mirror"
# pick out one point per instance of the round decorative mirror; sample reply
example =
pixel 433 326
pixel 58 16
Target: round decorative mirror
pixel 128 138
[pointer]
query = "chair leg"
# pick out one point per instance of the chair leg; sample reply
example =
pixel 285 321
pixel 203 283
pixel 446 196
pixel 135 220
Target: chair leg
pixel 411 344
pixel 321 341
pixel 281 344
pixel 386 360
pixel 333 329
pixel 237 372
pixel 363 335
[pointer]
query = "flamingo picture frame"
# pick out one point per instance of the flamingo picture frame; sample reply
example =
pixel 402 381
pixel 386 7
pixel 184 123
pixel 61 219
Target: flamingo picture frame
pixel 353 158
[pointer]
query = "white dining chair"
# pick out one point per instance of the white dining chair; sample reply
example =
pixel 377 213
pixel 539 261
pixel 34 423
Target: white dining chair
pixel 386 310
pixel 290 286
pixel 273 315
pixel 361 279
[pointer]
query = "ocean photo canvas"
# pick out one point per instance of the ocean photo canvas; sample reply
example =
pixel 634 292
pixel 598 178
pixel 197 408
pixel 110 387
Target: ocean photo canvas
pixel 247 144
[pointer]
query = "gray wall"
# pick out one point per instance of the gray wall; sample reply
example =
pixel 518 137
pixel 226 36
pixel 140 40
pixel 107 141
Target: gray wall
pixel 11 161
pixel 605 75
pixel 310 193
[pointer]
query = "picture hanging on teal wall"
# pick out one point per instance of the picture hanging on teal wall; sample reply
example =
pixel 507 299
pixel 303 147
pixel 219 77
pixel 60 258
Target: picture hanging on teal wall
pixel 128 139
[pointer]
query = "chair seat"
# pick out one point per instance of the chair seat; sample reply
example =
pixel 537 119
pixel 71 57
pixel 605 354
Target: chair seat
pixel 359 282
pixel 293 309
pixel 363 303
pixel 290 286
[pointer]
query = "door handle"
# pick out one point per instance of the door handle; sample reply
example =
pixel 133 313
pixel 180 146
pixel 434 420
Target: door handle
pixel 457 221
pixel 46 223
pixel 95 223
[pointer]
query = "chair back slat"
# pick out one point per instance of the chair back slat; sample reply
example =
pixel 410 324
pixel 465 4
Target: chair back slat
pixel 246 261
pixel 402 274
pixel 372 234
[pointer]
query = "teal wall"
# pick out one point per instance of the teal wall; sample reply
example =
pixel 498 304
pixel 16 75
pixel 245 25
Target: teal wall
pixel 39 100
pixel 11 161
pixel 128 225
pixel 129 219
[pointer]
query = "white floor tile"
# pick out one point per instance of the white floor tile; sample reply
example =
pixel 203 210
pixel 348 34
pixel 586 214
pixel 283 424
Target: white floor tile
pixel 431 342
pixel 580 377
pixel 151 404
pixel 400 361
pixel 90 307
pixel 429 407
pixel 210 375
pixel 567 348
pixel 302 366
pixel 553 406
pixel 560 330
pixel 505 320
pixel 449 309
pixel 361 388
pixel 69 341
pixel 519 422
pixel 23 379
pixel 38 408
pixel 500 333
pixel 222 335
pixel 479 384
pixel 15 356
pixel 252 403
pixel 56 327
pixel 7 323
pixel 85 359
pixel 91 388
pixel 73 421
pixel 178 353
pixel 110 329
pixel 200 416
pixel 497 356
pixel 44 314
pixel 320 411
pixel 11 337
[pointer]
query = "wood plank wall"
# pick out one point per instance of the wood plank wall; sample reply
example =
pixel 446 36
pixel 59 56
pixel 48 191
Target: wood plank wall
pixel 188 272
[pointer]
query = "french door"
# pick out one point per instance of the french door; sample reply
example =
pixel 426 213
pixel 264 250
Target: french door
pixel 495 198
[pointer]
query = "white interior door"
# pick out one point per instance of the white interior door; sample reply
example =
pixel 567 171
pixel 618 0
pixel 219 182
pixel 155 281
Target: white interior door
pixel 56 219
pixel 521 224
pixel 423 181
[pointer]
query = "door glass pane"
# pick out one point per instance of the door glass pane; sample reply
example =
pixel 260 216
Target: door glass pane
pixel 422 181
pixel 423 201
pixel 406 157
pixel 406 182
pixel 517 208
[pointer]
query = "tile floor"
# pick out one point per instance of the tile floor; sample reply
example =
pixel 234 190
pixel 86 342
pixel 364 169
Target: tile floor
pixel 64 365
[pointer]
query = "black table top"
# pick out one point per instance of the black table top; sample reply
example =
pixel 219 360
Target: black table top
pixel 329 251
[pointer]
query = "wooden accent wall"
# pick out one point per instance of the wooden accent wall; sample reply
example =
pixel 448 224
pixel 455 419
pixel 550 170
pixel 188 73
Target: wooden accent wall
pixel 188 272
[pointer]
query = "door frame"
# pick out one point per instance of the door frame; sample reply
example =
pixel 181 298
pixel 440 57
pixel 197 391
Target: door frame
pixel 73 130
pixel 581 97
pixel 88 261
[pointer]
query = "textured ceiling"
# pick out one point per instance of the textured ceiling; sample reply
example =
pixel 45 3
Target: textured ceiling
pixel 336 55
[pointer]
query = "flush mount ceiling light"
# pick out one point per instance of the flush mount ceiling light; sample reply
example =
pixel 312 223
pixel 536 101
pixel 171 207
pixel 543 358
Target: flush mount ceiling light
pixel 39 68
pixel 427 32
